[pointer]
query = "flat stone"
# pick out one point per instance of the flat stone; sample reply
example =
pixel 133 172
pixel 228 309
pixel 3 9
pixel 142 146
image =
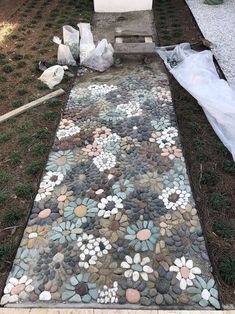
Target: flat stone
pixel 143 235
pixel 80 211
pixel 61 198
pixel 132 295
pixel 159 299
pixel 61 161
pixel 17 289
pixel 44 213
pixel 45 296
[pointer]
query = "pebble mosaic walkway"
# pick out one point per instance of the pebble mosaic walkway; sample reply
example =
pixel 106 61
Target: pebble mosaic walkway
pixel 114 221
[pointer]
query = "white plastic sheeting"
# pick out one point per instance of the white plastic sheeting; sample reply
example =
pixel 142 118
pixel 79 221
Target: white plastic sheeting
pixel 196 72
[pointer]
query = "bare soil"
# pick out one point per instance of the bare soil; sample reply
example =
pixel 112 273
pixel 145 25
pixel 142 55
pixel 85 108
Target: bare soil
pixel 203 150
pixel 25 140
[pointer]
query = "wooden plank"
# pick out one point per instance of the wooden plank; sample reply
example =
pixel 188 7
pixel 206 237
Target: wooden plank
pixel 31 105
pixel 134 48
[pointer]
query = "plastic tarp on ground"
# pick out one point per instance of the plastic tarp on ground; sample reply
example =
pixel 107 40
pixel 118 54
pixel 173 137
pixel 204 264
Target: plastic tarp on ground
pixel 196 72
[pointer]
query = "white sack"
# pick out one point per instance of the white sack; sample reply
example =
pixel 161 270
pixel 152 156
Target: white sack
pixel 86 42
pixel 71 39
pixel 196 72
pixel 64 56
pixel 53 75
pixel 101 58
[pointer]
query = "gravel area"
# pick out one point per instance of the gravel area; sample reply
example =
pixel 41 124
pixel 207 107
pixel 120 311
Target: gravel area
pixel 217 24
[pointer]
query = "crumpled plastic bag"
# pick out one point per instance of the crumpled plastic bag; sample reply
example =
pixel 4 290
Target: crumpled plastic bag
pixel 101 58
pixel 71 39
pixel 53 75
pixel 196 72
pixel 86 42
pixel 64 55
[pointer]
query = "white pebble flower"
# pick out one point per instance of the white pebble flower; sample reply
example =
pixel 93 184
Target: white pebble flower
pixel 162 94
pixel 101 90
pixel 109 206
pixel 53 177
pixel 185 271
pixel 174 198
pixel 105 160
pixel 15 288
pixel 86 245
pixel 101 246
pixel 45 190
pixel 130 109
pixel 167 137
pixel 91 248
pixel 108 295
pixel 136 267
pixel 64 133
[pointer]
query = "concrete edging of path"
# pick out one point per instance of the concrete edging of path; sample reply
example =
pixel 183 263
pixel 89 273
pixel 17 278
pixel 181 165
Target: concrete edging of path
pixel 106 311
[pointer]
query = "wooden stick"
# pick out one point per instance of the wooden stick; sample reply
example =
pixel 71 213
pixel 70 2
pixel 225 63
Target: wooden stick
pixel 31 105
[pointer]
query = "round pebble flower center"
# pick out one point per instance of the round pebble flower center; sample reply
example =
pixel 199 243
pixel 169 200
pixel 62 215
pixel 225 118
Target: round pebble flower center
pixel 110 205
pixel 54 178
pixel 61 161
pixel 143 235
pixel 123 188
pixel 102 246
pixel 186 242
pixel 66 232
pixel 114 225
pixel 205 294
pixel 80 211
pixel 184 272
pixel 17 289
pixel 81 289
pixel 173 197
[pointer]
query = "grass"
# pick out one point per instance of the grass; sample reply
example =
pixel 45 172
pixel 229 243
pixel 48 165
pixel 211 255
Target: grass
pixel 6 251
pixel 218 201
pixel 25 140
pixel 16 56
pixel 17 103
pixel 22 91
pixel 42 133
pixel 24 191
pixel 229 166
pixel 34 168
pixel 224 229
pixel 41 86
pixel 40 149
pixel 26 80
pixel 3 197
pixel 227 269
pixel 25 126
pixel 16 158
pixel 210 177
pixel 7 68
pixel 11 217
pixel 5 177
pixel 49 116
pixel 4 137
pixel 21 64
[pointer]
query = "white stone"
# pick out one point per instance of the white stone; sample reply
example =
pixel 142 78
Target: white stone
pixel 13 281
pixel 29 288
pixel 13 298
pixel 45 296
pixel 5 299
pixel 8 288
pixel 205 294
pixel 33 235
